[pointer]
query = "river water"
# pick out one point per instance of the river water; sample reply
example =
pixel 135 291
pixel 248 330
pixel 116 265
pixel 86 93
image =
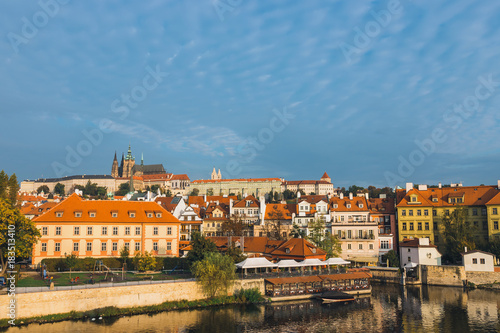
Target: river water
pixel 390 308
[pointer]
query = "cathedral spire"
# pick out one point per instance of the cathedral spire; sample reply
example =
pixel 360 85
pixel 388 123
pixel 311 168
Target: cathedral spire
pixel 115 158
pixel 142 158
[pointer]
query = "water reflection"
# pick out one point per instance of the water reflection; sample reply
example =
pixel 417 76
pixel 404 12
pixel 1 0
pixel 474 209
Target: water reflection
pixel 391 308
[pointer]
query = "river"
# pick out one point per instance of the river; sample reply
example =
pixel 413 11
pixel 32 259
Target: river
pixel 390 308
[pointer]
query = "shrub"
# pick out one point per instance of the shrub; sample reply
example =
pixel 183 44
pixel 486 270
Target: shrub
pixel 252 295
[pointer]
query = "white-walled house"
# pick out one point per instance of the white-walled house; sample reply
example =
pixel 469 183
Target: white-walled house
pixel 478 261
pixel 419 251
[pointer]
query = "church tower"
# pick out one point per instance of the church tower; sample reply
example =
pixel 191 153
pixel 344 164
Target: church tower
pixel 214 175
pixel 128 164
pixel 219 176
pixel 114 168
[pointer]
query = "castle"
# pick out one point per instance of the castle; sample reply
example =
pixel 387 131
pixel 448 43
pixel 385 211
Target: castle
pixel 128 168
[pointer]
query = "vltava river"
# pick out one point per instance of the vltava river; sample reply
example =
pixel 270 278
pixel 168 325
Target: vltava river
pixel 390 308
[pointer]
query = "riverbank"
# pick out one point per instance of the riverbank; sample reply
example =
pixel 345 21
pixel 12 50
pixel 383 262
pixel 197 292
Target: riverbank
pixel 250 296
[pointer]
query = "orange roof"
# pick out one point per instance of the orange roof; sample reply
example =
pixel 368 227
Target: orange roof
pixel 283 211
pixel 298 248
pixel 103 211
pixel 243 203
pixel 37 211
pixel 32 198
pixel 27 208
pixel 196 200
pixel 180 177
pixel 204 181
pixel 305 182
pixel 325 175
pixel 472 196
pixel 381 206
pixel 495 200
pixel 355 203
pixel 313 198
pixel 159 176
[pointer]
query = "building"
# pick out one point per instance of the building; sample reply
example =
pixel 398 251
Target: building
pixel 350 221
pixel 419 251
pixel 249 209
pixel 215 216
pixel 478 261
pixel 323 186
pixel 383 211
pixel 69 183
pixel 101 228
pixel 128 168
pixel 386 244
pixel 278 218
pixel 420 211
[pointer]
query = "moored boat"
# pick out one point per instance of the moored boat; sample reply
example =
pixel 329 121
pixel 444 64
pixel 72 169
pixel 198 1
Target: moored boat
pixel 335 297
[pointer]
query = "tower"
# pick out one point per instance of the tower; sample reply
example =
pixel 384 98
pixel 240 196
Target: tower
pixel 114 168
pixel 219 176
pixel 128 164
pixel 326 178
pixel 214 175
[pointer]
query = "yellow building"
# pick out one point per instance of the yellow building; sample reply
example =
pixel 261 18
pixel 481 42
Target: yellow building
pixel 100 228
pixel 421 210
pixel 243 187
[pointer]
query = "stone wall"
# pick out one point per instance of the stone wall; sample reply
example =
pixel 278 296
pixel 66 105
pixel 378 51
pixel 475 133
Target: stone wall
pixel 53 302
pixel 483 277
pixel 385 274
pixel 443 275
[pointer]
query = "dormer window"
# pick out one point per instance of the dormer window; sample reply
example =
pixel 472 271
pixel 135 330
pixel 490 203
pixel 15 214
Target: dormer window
pixel 150 215
pixel 92 214
pixel 413 199
pixel 59 214
pixel 287 250
pixel 335 206
pixel 360 205
pixel 158 215
pixel 313 250
pixel 114 214
pixel 131 214
pixel 434 199
pixel 348 205
pixel 78 214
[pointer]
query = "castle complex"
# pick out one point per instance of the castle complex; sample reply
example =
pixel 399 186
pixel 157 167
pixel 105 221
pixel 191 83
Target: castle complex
pixel 128 168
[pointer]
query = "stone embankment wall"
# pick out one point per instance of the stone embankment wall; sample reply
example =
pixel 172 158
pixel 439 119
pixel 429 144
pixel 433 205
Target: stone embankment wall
pixel 443 275
pixel 385 274
pixel 483 277
pixel 54 302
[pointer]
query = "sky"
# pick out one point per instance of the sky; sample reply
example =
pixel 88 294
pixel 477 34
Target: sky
pixel 372 92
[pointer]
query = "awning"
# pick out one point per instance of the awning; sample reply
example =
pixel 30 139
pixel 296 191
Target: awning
pixel 255 263
pixel 364 259
pixel 336 261
pixel 411 265
pixel 288 263
pixel 312 262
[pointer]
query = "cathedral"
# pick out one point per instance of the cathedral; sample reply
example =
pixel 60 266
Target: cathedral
pixel 128 168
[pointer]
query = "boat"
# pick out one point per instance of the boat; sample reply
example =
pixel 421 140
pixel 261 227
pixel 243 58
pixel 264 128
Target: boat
pixel 335 297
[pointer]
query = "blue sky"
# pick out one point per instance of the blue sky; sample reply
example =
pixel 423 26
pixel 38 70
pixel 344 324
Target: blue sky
pixel 346 87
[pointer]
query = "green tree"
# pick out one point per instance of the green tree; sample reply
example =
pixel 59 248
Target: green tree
pixel 44 188
pixel 276 196
pixel 288 195
pixel 154 188
pixel 319 236
pixel 236 226
pixel 195 192
pixel 168 193
pixel 59 189
pixel 102 192
pixel 297 232
pixel 13 189
pixel 124 254
pixel 70 261
pixel 458 233
pixel 210 191
pixel 145 262
pixel 215 274
pixel 235 253
pixel 4 184
pixel 13 225
pixel 392 257
pixel 200 247
pixel 123 189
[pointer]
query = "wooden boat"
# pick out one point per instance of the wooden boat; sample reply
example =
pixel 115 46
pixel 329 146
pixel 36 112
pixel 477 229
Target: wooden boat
pixel 335 297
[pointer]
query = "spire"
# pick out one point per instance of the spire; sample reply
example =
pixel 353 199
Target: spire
pixel 129 153
pixel 123 158
pixel 142 158
pixel 115 160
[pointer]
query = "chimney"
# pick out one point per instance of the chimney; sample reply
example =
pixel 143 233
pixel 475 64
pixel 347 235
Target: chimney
pixel 382 196
pixel 367 196
pixel 460 184
pixel 409 186
pixel 350 195
pixel 231 206
pixel 422 187
pixel 262 208
pixel 342 195
pixel 465 249
pixel 441 185
pixel 498 184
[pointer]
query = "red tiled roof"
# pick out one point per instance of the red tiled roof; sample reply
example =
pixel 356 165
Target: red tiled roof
pixel 180 177
pixel 325 175
pixel 473 196
pixel 381 206
pixel 283 211
pixel 242 203
pixel 413 243
pixel 355 204
pixel 298 248
pixel 159 176
pixel 202 181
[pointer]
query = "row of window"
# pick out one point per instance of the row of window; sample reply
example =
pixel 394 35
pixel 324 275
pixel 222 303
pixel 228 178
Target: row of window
pixel 435 225
pixel 473 212
pixel 359 234
pixel 104 246
pixel 360 246
pixel 104 231
pixel 113 214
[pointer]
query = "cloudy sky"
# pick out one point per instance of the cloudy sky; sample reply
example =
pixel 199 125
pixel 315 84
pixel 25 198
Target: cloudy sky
pixel 373 92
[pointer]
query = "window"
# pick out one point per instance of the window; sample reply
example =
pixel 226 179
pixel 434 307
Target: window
pixel 76 247
pixel 58 230
pixel 383 244
pixel 419 212
pixel 419 226
pixel 410 212
pixel 360 205
pixel 411 225
pixel 349 206
pixel 115 231
pixel 482 261
pixel 137 230
pixel 158 215
pixel 495 225
pixel 426 212
pixel 44 231
pixel 409 250
pixel 44 247
pixel 371 246
pixel 104 246
pixel 78 214
pixel 155 230
pixel 169 229
pixel 89 230
pixel 57 247
pixel 349 234
pixel 426 225
pixel 114 246
pixel 483 211
pixel 127 230
pixel 104 230
pixel 89 246
pixel 131 214
pixel 169 246
pixel 446 212
pixel 360 233
pixel 137 246
pixel 474 260
pixel 59 214
pixel 403 212
pixel 155 246
pixel 409 259
pixel 494 211
pixel 435 226
pixel 474 213
pixel 434 212
pixel 360 246
pixel 127 245
pixel 485 225
pixel 413 199
pixel 114 214
pixel 92 214
pixel 76 230
pixel 404 226
pixel 348 246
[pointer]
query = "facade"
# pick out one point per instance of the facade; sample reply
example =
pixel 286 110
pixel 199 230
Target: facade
pixel 101 228
pixel 215 216
pixel 386 244
pixel 323 186
pixel 249 208
pixel 128 168
pixel 478 261
pixel 420 211
pixel 383 211
pixel 242 187
pixel 69 183
pixel 418 251
pixel 350 221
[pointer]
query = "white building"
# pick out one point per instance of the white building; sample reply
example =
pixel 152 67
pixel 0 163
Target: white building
pixel 419 251
pixel 478 261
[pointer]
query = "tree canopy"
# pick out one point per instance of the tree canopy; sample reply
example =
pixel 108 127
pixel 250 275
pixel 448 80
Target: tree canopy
pixel 201 246
pixel 59 189
pixel 43 188
pixel 235 226
pixel 392 257
pixel 123 189
pixel 323 239
pixel 215 274
pixel 458 233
